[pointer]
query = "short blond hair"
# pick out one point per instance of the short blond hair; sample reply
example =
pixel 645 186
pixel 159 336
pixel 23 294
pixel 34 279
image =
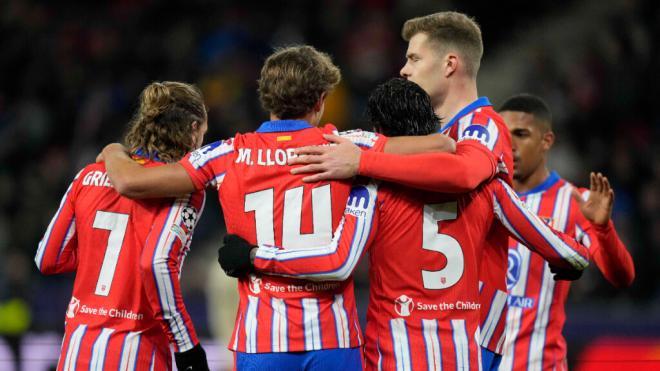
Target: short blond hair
pixel 450 30
pixel 293 80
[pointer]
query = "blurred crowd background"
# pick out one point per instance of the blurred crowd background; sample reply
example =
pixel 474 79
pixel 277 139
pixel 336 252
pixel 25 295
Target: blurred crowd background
pixel 71 72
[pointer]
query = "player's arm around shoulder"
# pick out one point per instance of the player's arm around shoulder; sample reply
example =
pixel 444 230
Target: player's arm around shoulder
pixel 407 145
pixel 377 142
pixel 132 180
pixel 559 249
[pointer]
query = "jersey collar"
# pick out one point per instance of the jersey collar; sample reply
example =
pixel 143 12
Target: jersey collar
pixel 277 126
pixel 481 102
pixel 547 183
pixel 142 153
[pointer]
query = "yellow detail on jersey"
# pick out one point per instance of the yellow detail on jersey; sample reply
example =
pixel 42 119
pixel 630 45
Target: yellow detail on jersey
pixel 284 138
pixel 139 160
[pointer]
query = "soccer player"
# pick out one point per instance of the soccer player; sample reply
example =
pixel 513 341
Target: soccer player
pixel 282 323
pixel 425 252
pixel 443 57
pixel 127 308
pixel 536 302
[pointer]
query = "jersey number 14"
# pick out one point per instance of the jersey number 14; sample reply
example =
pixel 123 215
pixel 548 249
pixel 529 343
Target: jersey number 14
pixel 263 202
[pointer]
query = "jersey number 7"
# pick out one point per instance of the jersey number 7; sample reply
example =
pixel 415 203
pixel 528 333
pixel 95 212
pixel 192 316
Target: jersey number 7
pixel 116 223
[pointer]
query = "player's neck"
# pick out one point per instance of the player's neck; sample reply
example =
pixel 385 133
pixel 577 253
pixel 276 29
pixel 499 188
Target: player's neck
pixel 537 177
pixel 310 118
pixel 459 96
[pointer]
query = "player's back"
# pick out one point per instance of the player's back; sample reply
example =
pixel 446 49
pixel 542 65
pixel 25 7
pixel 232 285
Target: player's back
pixel 424 277
pixel 265 204
pixel 259 180
pixel 109 227
pixel 109 321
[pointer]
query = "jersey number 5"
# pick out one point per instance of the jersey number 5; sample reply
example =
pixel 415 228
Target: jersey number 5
pixel 116 223
pixel 444 244
pixel 262 203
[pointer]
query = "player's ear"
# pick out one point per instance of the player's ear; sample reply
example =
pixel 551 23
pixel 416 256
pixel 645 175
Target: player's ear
pixel 451 64
pixel 547 140
pixel 194 125
pixel 319 103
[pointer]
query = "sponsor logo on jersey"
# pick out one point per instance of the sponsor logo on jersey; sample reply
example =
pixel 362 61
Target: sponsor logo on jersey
pixel 358 201
pixel 74 305
pixel 520 301
pixel 403 305
pixel 513 272
pixel 478 132
pixel 255 284
pixel 512 277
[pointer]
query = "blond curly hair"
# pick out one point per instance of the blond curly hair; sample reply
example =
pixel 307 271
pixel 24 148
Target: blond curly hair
pixel 162 125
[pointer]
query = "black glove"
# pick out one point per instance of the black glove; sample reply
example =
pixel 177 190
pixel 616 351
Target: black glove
pixel 192 360
pixel 234 256
pixel 564 274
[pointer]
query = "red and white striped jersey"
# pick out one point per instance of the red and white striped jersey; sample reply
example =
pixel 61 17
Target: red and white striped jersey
pixel 536 301
pixel 425 253
pixel 264 203
pixel 480 121
pixel 127 256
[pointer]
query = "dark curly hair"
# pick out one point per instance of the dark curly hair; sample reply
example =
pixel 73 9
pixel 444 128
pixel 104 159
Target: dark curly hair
pixel 400 107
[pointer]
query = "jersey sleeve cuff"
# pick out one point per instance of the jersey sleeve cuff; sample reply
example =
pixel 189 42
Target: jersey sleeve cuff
pixel 379 146
pixel 368 160
pixel 603 228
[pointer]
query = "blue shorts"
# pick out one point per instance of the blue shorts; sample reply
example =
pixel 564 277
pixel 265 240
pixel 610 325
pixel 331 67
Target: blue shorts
pixel 490 361
pixel 329 359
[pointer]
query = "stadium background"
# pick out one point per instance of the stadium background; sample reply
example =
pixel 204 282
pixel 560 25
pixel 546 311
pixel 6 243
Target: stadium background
pixel 70 74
